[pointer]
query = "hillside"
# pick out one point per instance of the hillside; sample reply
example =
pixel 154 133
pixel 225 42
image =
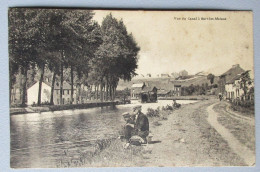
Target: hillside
pixel 166 83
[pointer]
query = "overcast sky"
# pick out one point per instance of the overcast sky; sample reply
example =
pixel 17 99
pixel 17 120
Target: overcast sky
pixel 169 45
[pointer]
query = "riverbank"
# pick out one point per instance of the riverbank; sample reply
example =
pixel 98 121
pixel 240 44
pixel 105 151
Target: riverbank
pixel 180 138
pixel 46 108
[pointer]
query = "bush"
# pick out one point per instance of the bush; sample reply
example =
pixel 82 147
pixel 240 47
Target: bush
pixel 245 103
pixel 153 113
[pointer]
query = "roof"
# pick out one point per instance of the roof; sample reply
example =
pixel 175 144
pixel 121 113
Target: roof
pixel 147 89
pixel 37 82
pixel 140 85
pixel 163 92
pixel 202 73
pixel 66 86
pixel 237 77
pixel 232 72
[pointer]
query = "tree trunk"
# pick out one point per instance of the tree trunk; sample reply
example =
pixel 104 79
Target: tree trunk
pixel 97 92
pixel 80 97
pixel 71 79
pixel 24 84
pixel 107 92
pixel 114 91
pixel 61 83
pixel 40 85
pixel 101 91
pixel 110 92
pixel 52 87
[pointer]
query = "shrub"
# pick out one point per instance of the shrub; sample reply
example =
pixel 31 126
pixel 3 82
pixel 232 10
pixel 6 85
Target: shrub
pixel 153 113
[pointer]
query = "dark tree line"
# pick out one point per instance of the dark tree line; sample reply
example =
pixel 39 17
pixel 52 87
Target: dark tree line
pixel 70 40
pixel 197 89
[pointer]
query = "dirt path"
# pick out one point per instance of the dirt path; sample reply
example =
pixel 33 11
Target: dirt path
pixel 187 139
pixel 246 154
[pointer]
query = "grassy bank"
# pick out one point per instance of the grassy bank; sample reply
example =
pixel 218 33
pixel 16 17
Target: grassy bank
pixel 247 111
pixel 105 153
pixel 244 132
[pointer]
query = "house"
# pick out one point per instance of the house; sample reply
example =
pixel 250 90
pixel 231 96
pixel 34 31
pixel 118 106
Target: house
pixel 32 93
pixel 66 94
pixel 227 76
pixel 136 89
pixel 234 90
pixel 144 92
pixel 177 90
pixel 148 94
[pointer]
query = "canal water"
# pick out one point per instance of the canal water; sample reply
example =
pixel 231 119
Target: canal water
pixel 40 139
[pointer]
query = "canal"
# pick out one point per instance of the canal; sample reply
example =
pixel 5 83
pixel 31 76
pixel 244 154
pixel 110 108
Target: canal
pixel 39 139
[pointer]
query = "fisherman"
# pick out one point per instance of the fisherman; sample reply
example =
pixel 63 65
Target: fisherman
pixel 141 126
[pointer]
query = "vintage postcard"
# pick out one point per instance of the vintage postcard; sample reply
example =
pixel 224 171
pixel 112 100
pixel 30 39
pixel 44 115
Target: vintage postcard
pixel 131 88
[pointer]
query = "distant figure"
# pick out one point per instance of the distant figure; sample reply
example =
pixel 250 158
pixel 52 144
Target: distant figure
pixel 175 104
pixel 220 96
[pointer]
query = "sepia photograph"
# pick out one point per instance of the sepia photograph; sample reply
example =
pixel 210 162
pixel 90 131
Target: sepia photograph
pixel 131 88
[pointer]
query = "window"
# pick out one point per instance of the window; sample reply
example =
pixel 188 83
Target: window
pixel 68 92
pixel 58 101
pixel 63 92
pixel 57 91
pixel 63 100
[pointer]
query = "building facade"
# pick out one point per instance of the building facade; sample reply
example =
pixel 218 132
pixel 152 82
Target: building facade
pixel 32 93
pixel 234 90
pixel 66 94
pixel 136 90
pixel 177 90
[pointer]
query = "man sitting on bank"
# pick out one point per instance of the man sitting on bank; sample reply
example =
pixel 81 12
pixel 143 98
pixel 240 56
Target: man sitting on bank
pixel 136 125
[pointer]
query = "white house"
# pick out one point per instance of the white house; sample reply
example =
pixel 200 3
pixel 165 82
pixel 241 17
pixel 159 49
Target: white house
pixel 233 88
pixel 32 93
pixel 136 89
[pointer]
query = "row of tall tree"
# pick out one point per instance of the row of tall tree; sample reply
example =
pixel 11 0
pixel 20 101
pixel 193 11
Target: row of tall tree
pixel 61 39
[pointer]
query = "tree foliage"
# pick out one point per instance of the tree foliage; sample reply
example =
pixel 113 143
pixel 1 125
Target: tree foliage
pixel 66 39
pixel 211 78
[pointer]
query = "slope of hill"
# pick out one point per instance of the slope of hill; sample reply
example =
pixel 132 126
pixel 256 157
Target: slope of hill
pixel 167 83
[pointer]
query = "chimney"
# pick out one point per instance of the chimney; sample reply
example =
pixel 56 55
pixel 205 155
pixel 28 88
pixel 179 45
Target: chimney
pixel 236 65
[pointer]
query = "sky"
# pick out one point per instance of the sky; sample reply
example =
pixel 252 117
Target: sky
pixel 171 45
